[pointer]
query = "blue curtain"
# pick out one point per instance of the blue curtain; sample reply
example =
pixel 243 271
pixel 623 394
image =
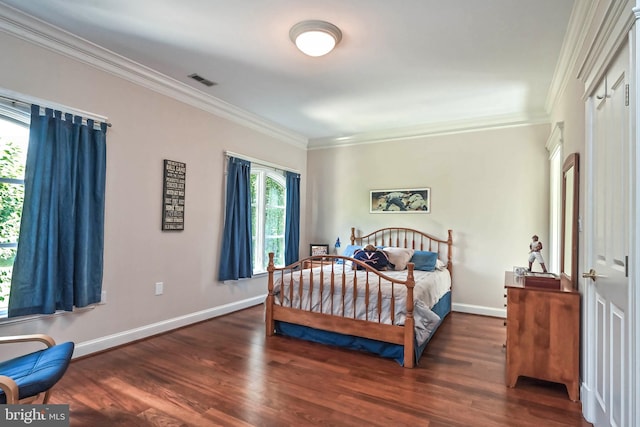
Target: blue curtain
pixel 292 223
pixel 59 258
pixel 235 258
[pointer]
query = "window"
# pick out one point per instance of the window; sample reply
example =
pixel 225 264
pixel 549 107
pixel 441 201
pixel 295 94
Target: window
pixel 554 147
pixel 268 191
pixel 555 209
pixel 14 140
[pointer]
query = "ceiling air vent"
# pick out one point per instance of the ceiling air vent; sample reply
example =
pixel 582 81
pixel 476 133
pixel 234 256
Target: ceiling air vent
pixel 202 80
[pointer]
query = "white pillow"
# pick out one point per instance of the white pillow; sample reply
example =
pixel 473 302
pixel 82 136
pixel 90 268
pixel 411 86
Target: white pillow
pixel 441 265
pixel 399 256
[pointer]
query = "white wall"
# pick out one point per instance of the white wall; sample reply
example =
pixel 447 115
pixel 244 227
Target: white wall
pixel 490 187
pixel 147 128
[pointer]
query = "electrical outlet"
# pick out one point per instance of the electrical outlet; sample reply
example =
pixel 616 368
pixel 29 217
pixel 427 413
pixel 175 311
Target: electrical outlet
pixel 159 288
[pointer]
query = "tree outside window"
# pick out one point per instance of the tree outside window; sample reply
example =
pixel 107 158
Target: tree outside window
pixel 14 139
pixel 267 217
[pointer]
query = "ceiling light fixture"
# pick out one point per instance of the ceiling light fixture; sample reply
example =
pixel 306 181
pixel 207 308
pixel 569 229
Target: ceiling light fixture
pixel 315 38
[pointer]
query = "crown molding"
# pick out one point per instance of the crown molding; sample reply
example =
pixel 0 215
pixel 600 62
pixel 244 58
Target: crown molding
pixel 43 34
pixel 436 129
pixel 569 52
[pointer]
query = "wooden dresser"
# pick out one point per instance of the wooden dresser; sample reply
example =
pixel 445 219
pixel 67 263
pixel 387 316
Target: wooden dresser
pixel 543 334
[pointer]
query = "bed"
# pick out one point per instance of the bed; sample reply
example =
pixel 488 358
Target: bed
pixel 338 300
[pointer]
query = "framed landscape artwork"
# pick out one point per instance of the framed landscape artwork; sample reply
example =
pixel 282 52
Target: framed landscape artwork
pixel 408 200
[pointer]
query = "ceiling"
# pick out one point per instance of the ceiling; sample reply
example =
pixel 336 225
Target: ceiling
pixel 402 67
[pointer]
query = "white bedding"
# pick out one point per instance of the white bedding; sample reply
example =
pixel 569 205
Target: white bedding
pixel 429 288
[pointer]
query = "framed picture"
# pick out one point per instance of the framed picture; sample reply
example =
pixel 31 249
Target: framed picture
pixel 407 200
pixel 173 187
pixel 318 250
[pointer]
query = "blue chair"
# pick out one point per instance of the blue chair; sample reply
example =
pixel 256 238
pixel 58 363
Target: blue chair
pixel 25 378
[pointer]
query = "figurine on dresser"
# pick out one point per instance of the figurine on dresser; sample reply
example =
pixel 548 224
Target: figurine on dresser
pixel 535 248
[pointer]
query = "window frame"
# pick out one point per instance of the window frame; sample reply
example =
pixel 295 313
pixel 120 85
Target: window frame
pixel 21 117
pixel 258 232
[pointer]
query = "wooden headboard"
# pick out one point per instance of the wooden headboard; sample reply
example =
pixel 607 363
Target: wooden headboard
pixel 408 238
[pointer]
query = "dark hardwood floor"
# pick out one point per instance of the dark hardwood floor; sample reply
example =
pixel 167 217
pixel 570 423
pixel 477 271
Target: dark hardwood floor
pixel 226 372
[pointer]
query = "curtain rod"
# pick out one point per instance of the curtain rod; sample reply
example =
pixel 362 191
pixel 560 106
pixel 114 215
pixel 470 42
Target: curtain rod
pixel 259 162
pixel 27 101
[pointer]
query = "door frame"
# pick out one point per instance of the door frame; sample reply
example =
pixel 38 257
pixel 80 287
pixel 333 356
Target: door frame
pixel 634 207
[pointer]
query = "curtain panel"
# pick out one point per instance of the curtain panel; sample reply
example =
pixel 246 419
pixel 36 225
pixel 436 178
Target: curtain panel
pixel 235 258
pixel 59 260
pixel 292 219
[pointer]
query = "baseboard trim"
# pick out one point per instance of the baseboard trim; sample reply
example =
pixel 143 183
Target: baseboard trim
pixel 481 310
pixel 104 343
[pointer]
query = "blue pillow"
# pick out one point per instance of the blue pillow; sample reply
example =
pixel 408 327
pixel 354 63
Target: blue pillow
pixel 349 251
pixel 424 260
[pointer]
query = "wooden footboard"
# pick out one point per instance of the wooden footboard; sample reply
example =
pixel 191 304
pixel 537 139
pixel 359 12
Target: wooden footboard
pixel 318 298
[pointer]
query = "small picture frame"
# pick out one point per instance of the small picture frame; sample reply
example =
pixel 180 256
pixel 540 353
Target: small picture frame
pixel 316 249
pixel 519 271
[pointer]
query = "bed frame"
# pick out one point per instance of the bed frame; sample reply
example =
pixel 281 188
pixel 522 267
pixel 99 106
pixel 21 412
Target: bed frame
pixel 337 322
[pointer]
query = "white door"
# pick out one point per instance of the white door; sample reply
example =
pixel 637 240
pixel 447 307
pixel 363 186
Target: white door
pixel 608 349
